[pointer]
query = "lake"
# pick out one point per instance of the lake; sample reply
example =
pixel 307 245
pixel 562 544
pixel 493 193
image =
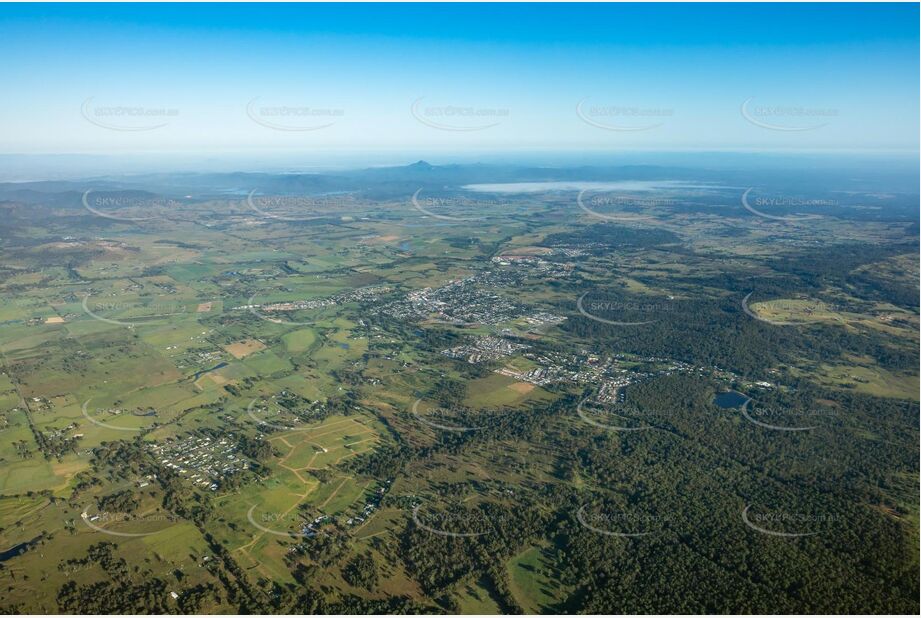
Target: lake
pixel 730 399
pixel 580 185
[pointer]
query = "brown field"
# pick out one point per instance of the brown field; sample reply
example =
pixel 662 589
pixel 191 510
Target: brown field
pixel 54 320
pixel 218 379
pixel 378 239
pixel 204 307
pixel 244 348
pixel 66 471
pixel 68 468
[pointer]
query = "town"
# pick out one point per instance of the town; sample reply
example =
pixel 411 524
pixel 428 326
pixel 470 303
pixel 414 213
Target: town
pixel 202 460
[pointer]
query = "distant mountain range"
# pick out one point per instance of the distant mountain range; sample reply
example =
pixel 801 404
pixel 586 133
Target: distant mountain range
pixel 382 183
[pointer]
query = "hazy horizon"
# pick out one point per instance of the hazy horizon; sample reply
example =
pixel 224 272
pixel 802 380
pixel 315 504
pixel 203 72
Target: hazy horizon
pixel 130 79
pixel 75 166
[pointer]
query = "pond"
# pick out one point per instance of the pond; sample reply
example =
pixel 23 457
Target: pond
pixel 17 550
pixel 730 399
pixel 204 371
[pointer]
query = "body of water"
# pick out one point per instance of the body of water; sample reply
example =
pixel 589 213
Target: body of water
pixel 579 185
pixel 204 371
pixel 16 550
pixel 730 399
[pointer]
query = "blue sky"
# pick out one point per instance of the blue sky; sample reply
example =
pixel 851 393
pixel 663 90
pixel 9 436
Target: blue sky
pixel 468 78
